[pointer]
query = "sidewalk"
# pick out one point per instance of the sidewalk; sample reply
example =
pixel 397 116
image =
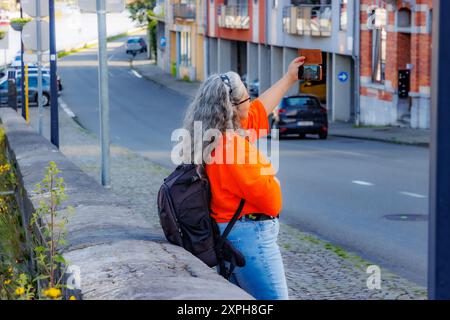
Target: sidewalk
pixel 315 269
pixel 398 135
pixel 407 136
pixel 148 70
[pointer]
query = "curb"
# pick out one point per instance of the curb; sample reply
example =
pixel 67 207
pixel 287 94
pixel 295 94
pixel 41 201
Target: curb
pixel 132 67
pixel 405 143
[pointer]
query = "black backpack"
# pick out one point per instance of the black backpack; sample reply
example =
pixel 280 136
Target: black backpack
pixel 184 213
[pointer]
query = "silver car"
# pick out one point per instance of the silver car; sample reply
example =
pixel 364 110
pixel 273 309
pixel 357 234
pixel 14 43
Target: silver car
pixel 136 45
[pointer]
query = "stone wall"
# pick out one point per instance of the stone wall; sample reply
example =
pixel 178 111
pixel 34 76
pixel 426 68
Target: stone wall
pixel 112 248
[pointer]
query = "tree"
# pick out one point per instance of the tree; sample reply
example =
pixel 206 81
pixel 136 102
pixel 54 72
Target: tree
pixel 142 12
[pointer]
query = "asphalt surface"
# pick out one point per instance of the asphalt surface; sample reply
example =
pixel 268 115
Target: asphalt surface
pixel 342 190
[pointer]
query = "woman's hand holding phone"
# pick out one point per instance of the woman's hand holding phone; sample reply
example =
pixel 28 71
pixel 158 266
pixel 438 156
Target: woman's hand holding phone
pixel 293 68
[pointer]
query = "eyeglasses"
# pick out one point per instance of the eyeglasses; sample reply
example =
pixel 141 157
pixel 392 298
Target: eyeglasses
pixel 244 101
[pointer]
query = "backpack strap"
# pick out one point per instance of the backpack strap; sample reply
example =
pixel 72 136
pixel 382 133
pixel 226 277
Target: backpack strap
pixel 222 268
pixel 231 224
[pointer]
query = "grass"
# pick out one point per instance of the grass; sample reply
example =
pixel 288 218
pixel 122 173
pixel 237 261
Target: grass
pixel 339 251
pixel 63 54
pixel 13 250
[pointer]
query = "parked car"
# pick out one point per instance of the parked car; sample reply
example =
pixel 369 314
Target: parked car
pixel 253 89
pixel 135 45
pixel 32 90
pixel 300 114
pixel 17 62
pixel 14 73
pixel 244 80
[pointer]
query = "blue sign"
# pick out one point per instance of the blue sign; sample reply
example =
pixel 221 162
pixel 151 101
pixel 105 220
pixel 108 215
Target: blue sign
pixel 343 76
pixel 162 42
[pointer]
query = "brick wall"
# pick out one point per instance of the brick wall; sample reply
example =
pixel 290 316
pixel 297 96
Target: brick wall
pixel 403 48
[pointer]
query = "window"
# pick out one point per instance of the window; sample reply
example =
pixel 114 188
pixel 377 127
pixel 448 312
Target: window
pixel 430 22
pixel 343 15
pixel 185 46
pixel 379 46
pixel 300 103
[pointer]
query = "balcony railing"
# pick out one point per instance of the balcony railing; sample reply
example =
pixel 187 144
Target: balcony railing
pixel 314 20
pixel 234 16
pixel 184 11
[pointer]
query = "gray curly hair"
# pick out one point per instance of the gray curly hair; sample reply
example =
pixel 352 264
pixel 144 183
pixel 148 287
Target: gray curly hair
pixel 214 106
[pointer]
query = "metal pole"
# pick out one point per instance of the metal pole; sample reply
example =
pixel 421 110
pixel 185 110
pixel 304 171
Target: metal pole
pixel 22 67
pixel 54 125
pixel 356 59
pixel 439 224
pixel 104 94
pixel 39 56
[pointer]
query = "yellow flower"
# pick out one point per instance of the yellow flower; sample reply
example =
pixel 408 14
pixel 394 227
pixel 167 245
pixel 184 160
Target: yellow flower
pixel 10 270
pixel 20 291
pixel 53 293
pixel 7 282
pixel 72 298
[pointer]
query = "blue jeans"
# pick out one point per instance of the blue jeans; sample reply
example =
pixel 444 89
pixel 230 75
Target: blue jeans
pixel 263 274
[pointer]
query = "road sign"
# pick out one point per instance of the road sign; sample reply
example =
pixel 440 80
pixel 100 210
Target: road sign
pixel 343 77
pixel 111 5
pixel 29 35
pixel 29 7
pixel 163 42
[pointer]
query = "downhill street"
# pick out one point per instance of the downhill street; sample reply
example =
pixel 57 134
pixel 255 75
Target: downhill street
pixel 340 189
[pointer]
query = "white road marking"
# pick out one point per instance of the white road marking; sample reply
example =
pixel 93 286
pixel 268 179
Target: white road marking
pixel 66 108
pixel 136 73
pixel 363 183
pixel 414 195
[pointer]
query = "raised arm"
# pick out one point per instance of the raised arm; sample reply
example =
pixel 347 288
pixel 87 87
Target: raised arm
pixel 272 96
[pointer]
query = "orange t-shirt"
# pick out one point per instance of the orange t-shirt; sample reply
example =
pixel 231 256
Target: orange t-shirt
pixel 242 178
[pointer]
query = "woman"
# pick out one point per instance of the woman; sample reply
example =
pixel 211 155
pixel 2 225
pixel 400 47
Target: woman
pixel 223 103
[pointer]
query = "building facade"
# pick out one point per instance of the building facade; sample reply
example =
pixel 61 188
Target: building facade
pixel 182 50
pixel 396 62
pixel 258 40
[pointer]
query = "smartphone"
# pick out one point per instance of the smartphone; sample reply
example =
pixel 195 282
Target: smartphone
pixel 312 69
pixel 311 72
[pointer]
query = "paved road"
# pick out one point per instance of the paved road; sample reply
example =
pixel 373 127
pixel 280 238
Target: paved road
pixel 340 189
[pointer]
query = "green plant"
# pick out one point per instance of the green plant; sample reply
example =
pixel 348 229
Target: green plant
pixel 49 230
pixel 173 69
pixel 141 11
pixel 18 23
pixel 20 20
pixel 14 281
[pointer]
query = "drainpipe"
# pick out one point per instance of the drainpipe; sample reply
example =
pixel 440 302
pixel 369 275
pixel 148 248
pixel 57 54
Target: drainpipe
pixel 356 58
pixel 205 40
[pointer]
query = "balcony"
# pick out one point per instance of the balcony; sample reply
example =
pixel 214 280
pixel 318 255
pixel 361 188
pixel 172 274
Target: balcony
pixel 233 16
pixel 313 20
pixel 184 11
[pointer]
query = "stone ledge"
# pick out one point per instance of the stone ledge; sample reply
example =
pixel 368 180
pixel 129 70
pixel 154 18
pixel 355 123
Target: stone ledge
pixel 118 255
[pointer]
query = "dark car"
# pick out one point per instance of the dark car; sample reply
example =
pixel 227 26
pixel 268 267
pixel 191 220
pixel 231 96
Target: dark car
pixel 253 89
pixel 300 114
